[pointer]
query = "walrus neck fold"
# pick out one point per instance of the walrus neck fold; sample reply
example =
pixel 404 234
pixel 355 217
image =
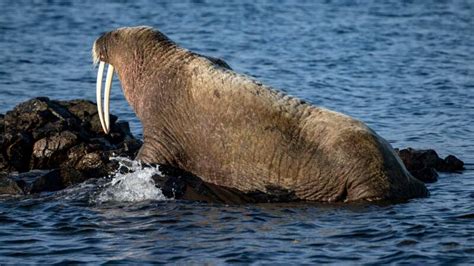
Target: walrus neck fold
pixel 160 67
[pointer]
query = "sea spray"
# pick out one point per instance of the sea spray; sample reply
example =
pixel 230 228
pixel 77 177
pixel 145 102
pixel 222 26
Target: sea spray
pixel 131 183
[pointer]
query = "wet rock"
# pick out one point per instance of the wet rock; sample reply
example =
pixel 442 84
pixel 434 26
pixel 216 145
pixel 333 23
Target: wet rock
pixel 86 112
pixel 451 164
pixel 3 163
pixel 49 152
pixel 427 174
pixel 128 148
pixel 2 123
pixel 423 164
pixel 62 135
pixel 418 159
pixel 3 160
pixel 37 181
pixel 121 133
pixel 32 115
pixel 18 150
pixel 26 180
pixel 57 179
pixel 94 165
pixel 72 176
pixel 50 181
pixel 9 186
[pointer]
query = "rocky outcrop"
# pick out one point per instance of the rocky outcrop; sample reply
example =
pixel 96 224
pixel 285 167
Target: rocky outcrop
pixel 63 137
pixel 9 186
pixel 424 164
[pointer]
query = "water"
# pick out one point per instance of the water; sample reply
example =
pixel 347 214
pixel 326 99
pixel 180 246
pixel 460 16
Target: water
pixel 133 186
pixel 406 68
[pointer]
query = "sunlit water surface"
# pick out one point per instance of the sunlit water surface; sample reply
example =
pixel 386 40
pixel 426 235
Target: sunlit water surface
pixel 406 68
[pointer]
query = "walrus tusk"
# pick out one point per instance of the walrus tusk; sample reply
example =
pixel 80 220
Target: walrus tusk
pixel 100 74
pixel 104 117
pixel 108 85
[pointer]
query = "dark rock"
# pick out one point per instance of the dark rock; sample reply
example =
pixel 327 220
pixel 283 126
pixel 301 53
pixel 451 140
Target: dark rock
pixel 62 135
pixel 50 128
pixel 54 180
pixel 93 165
pixel 18 150
pixel 128 148
pixel 34 180
pixel 418 159
pixel 427 174
pixel 50 152
pixel 423 164
pixel 3 160
pixel 9 186
pixel 34 114
pixel 125 128
pixel 22 184
pixel 121 132
pixel 72 176
pixel 2 123
pixel 452 164
pixel 75 153
pixel 50 181
pixel 26 116
pixel 82 109
pixel 3 163
pixel 86 112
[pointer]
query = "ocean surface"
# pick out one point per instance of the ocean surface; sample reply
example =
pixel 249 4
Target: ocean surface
pixel 406 68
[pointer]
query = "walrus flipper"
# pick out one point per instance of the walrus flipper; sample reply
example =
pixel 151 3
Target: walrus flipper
pixel 147 154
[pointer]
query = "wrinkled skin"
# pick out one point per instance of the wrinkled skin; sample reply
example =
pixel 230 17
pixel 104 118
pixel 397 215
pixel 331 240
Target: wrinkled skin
pixel 232 131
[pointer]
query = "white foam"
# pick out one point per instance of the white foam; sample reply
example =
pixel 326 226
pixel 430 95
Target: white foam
pixel 135 185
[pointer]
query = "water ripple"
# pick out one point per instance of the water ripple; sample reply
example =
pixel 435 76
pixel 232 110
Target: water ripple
pixel 403 67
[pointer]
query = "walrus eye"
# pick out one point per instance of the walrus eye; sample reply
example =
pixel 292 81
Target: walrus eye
pixel 104 115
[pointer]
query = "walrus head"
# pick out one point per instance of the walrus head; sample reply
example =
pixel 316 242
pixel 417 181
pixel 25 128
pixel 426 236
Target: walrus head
pixel 113 48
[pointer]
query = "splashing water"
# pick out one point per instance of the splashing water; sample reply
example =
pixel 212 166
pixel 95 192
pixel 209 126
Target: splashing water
pixel 136 184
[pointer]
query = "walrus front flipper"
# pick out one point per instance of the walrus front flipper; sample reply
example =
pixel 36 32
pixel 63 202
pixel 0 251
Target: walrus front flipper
pixel 182 185
pixel 148 155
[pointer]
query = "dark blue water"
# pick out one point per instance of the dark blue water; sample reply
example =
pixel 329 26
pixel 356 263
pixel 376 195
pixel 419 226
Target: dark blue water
pixel 406 68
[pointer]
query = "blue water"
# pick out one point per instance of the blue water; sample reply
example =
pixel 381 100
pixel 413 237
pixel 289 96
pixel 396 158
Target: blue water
pixel 406 68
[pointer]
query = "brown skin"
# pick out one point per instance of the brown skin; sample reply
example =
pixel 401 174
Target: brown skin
pixel 232 131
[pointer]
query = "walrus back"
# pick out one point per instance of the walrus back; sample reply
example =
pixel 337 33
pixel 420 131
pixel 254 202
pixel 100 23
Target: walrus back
pixel 262 139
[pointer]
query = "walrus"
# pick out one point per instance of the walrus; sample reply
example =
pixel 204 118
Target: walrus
pixel 234 132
